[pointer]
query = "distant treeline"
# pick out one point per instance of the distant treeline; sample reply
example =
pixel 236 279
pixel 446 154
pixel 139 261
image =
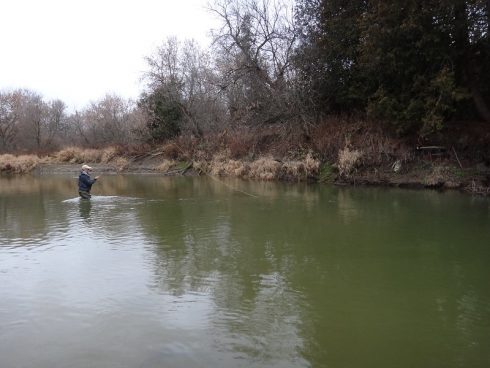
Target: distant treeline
pixel 412 66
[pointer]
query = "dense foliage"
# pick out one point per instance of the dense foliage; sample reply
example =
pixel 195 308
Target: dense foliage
pixel 415 63
pixel 163 114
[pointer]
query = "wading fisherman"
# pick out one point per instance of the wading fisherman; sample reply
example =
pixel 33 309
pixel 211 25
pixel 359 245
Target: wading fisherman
pixel 85 182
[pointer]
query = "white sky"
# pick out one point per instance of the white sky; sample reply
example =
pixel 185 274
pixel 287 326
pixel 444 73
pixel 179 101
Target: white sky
pixel 78 51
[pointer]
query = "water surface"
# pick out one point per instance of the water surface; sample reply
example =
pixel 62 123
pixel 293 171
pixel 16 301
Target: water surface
pixel 196 272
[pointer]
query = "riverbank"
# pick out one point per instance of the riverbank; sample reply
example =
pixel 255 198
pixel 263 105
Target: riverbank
pixel 421 173
pixel 343 153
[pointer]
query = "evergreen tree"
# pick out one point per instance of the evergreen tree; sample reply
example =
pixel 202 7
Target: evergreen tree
pixel 416 64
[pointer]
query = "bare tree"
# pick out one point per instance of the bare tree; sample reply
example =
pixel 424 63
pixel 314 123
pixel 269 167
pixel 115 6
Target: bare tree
pixel 55 122
pixel 28 122
pixel 9 116
pixel 76 130
pixel 108 121
pixel 255 44
pixel 111 120
pixel 32 120
pixel 182 79
pixel 165 68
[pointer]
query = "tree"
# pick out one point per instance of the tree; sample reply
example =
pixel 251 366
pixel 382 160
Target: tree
pixel 56 122
pixel 33 120
pixel 415 64
pixel 109 121
pixel 327 60
pixel 9 116
pixel 163 113
pixel 254 46
pixel 182 93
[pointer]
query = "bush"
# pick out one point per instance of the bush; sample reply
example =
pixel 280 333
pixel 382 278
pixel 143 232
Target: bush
pixel 165 166
pixel 348 160
pixel 327 173
pixel 163 112
pixel 69 154
pixel 108 154
pixel 120 163
pixel 265 168
pixel 18 164
pixel 171 151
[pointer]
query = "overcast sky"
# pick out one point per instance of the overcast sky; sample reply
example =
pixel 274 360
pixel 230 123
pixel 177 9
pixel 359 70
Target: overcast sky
pixel 78 51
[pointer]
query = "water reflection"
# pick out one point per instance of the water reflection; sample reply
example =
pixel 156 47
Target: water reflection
pixel 85 206
pixel 195 272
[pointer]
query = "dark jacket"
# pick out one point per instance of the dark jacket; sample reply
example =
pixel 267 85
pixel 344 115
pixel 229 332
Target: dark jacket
pixel 85 182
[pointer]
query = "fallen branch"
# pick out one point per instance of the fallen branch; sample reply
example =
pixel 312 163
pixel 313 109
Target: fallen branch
pixel 457 158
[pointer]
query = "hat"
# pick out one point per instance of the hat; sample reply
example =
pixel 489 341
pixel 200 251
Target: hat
pixel 86 167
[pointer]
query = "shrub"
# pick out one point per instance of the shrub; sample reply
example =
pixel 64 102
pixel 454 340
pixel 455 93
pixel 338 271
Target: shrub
pixel 265 168
pixel 312 165
pixel 77 155
pixel 201 166
pixel 108 154
pixel 90 156
pixel 165 166
pixel 240 144
pixel 171 151
pixel 348 160
pixel 69 154
pixel 327 173
pixel 222 165
pixel 18 164
pixel 120 163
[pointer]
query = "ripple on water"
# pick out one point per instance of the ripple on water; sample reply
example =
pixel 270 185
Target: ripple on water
pixel 101 199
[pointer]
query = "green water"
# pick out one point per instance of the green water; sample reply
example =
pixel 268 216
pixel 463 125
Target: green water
pixel 195 272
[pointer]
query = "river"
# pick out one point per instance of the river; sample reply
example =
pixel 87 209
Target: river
pixel 199 272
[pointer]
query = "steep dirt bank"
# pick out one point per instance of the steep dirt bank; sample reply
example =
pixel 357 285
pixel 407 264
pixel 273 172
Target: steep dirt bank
pixel 339 152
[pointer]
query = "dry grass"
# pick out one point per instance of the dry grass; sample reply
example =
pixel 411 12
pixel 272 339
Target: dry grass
pixel 68 154
pixel 265 168
pixel 438 176
pixel 328 138
pixel 76 155
pixel 223 165
pixel 108 154
pixel 187 146
pixel 120 163
pixel 235 168
pixel 91 156
pixel 240 143
pixel 301 170
pixel 171 151
pixel 348 160
pixel 166 165
pixel 18 164
pixel 201 166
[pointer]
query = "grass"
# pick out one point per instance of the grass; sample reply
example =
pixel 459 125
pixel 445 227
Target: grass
pixel 327 173
pixel 265 168
pixel 18 164
pixel 348 160
pixel 165 166
pixel 76 155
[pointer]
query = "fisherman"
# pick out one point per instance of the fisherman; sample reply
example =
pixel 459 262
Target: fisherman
pixel 85 182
